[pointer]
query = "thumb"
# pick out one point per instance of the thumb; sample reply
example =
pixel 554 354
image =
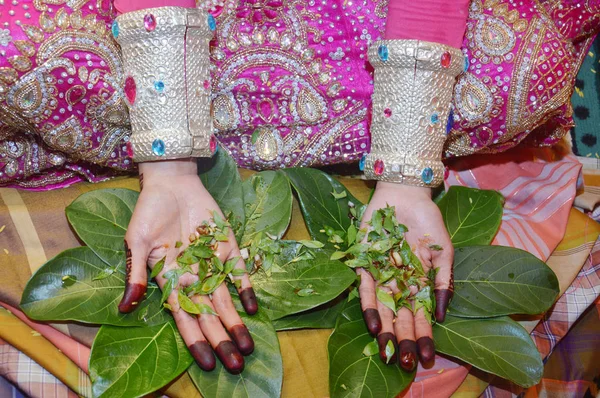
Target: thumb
pixel 136 278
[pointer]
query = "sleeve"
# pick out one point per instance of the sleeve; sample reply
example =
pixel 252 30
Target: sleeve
pixel 415 71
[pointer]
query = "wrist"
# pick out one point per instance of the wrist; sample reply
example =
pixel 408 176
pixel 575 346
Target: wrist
pixel 405 191
pixel 169 168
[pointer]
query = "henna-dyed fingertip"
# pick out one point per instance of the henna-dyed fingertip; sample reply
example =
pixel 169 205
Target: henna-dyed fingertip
pixel 242 339
pixel 382 341
pixel 203 355
pixel 426 349
pixel 442 299
pixel 408 355
pixel 372 320
pixel 134 294
pixel 230 356
pixel 248 299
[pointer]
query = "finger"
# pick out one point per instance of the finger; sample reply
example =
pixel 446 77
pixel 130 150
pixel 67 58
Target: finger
pixel 192 335
pixel 424 337
pixel 368 302
pixel 405 333
pixel 136 279
pixel 444 281
pixel 211 327
pixel 221 299
pixel 246 292
pixel 386 334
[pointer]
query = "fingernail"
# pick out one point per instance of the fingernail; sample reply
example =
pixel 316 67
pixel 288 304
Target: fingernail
pixel 372 320
pixel 203 354
pixel 382 340
pixel 442 298
pixel 242 339
pixel 426 349
pixel 249 302
pixel 408 355
pixel 134 293
pixel 230 356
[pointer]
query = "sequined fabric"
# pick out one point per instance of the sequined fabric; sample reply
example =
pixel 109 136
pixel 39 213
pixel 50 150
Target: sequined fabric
pixel 291 85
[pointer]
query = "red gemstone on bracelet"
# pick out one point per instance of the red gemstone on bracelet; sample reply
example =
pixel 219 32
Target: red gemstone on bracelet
pixel 149 22
pixel 130 89
pixel 387 112
pixel 207 85
pixel 213 144
pixel 446 59
pixel 378 167
pixel 129 149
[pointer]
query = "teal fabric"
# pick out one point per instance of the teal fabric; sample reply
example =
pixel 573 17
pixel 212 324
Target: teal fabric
pixel 586 106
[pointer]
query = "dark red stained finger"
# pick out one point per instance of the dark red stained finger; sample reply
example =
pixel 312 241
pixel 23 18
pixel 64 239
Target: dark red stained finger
pixel 382 340
pixel 203 354
pixel 248 299
pixel 134 291
pixel 230 357
pixel 373 321
pixel 442 299
pixel 242 339
pixel 426 349
pixel 408 355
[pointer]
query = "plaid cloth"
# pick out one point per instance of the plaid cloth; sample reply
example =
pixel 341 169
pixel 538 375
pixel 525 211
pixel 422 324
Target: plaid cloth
pixel 33 380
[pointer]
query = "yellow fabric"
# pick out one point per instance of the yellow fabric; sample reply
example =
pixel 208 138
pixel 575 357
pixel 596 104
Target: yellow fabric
pixel 28 341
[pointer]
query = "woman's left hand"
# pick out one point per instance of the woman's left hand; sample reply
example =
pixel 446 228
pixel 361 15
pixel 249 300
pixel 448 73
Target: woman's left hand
pixel 412 332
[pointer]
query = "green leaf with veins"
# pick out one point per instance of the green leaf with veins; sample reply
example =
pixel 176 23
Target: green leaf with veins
pixel 220 177
pixel 263 373
pixel 491 281
pixel 351 373
pixel 321 317
pixel 319 207
pixel 276 293
pixel 133 362
pixel 496 345
pixel 100 218
pixel 47 297
pixel 268 205
pixel 472 216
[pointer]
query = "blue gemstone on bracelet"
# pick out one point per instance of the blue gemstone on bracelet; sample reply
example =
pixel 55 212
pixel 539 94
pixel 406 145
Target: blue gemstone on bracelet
pixel 450 123
pixel 115 29
pixel 427 175
pixel 361 163
pixel 435 118
pixel 158 147
pixel 466 67
pixel 382 51
pixel 212 24
pixel 159 86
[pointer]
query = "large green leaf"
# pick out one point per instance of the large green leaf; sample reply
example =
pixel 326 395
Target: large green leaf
pixel 472 216
pixel 321 317
pixel 100 218
pixel 496 345
pixel 351 373
pixel 221 178
pixel 277 293
pixel 495 280
pixel 263 373
pixel 133 362
pixel 64 289
pixel 268 205
pixel 319 207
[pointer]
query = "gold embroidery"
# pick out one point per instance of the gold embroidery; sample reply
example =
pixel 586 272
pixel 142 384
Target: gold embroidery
pixel 47 23
pixel 26 48
pixel 266 144
pixel 33 32
pixel 20 63
pixel 8 75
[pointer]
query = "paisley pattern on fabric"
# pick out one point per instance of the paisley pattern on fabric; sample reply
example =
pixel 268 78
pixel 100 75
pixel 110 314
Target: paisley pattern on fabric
pixel 290 81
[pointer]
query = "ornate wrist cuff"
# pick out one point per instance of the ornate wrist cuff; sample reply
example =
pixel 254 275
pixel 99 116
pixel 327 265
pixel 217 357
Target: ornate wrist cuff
pixel 167 81
pixel 411 104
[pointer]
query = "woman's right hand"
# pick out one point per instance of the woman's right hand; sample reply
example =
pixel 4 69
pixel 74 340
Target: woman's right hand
pixel 172 204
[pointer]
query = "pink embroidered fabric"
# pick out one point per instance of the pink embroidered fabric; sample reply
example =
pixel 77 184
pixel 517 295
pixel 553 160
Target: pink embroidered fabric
pixel 291 84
